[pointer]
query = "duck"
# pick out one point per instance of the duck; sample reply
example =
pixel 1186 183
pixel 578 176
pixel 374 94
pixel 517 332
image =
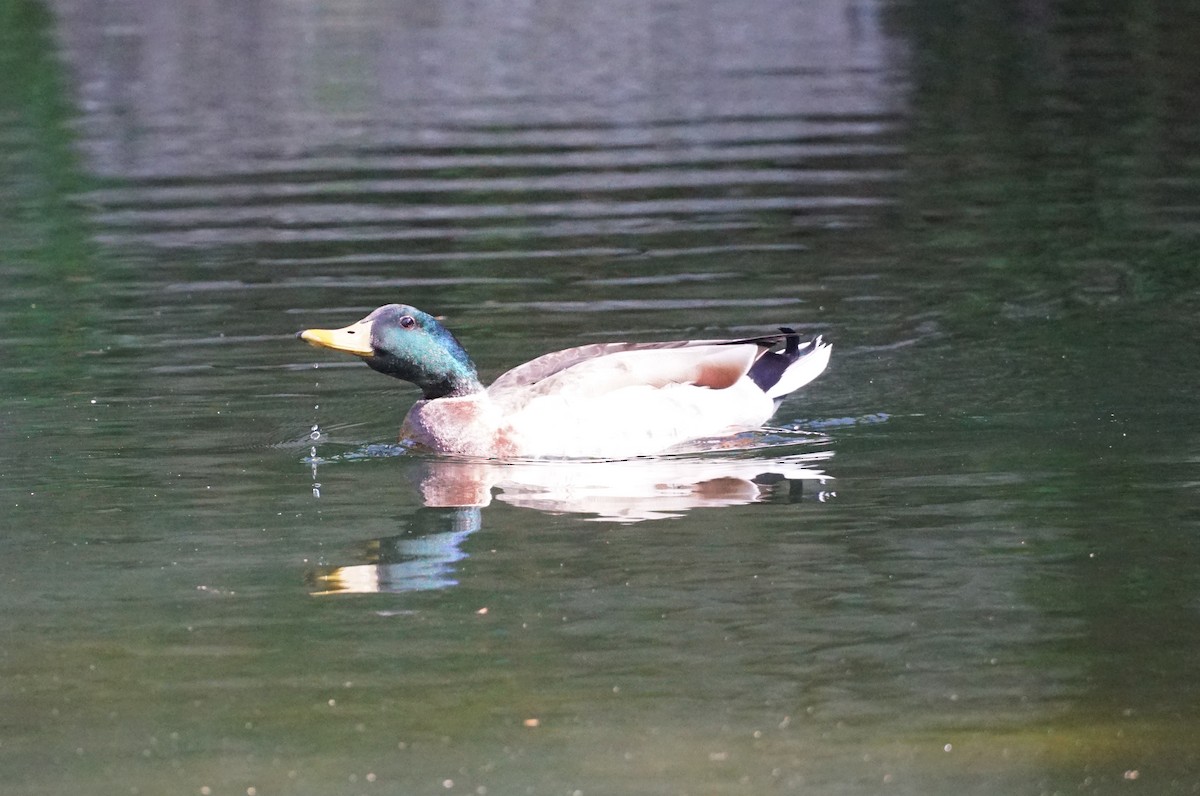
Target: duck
pixel 612 400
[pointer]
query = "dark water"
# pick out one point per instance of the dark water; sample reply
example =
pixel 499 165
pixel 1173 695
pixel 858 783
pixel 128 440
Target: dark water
pixel 973 570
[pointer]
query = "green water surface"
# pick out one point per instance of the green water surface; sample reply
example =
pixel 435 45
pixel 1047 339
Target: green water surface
pixel 218 575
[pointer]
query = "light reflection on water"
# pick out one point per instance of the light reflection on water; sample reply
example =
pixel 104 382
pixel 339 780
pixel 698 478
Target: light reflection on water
pixel 420 140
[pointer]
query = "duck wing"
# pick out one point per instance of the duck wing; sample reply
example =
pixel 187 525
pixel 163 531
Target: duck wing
pixel 645 389
pixel 676 359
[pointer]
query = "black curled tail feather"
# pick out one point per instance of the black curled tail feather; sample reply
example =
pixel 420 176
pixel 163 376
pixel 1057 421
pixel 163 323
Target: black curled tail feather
pixel 780 373
pixel 770 367
pixel 792 347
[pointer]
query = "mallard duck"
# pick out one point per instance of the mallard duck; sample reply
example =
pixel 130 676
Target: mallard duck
pixel 603 400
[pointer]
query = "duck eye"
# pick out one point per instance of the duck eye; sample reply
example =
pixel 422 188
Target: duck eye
pixel 407 321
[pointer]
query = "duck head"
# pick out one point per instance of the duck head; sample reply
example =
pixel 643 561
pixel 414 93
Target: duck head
pixel 404 342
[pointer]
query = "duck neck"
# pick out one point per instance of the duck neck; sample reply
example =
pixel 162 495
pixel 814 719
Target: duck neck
pixel 442 372
pixel 451 385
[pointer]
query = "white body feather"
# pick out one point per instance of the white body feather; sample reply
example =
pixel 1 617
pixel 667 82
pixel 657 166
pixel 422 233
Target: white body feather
pixel 611 405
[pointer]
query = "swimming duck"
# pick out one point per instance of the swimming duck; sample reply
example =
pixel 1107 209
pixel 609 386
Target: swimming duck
pixel 603 400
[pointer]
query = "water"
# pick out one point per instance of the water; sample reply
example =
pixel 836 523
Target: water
pixel 962 561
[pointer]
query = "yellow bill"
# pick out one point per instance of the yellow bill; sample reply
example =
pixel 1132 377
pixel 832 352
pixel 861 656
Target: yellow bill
pixel 353 339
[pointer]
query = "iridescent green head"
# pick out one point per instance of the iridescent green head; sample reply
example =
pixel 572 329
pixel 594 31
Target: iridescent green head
pixel 404 342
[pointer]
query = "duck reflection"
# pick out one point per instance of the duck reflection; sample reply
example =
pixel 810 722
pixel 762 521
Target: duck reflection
pixel 628 491
pixel 419 560
pixel 639 490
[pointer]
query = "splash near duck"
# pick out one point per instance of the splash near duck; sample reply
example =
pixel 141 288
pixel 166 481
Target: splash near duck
pixel 603 400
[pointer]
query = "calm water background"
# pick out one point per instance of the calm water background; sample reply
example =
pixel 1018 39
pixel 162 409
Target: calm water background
pixel 218 576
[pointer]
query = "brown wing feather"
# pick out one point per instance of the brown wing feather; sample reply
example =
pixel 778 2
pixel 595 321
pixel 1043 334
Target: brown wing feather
pixel 548 364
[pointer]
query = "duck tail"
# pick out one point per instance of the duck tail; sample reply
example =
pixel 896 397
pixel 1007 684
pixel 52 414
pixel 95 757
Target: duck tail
pixel 778 373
